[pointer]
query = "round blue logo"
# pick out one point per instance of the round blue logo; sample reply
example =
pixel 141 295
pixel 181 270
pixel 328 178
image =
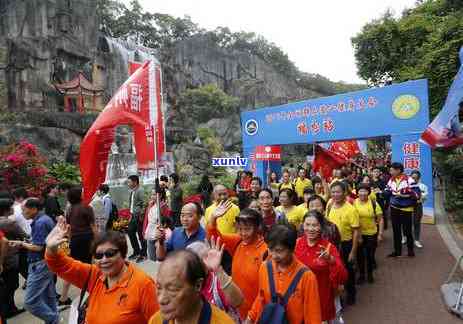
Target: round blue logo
pixel 251 127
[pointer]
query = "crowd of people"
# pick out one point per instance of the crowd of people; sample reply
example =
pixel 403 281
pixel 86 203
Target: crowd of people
pixel 293 248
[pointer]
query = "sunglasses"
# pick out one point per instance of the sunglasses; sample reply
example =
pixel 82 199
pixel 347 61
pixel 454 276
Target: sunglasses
pixel 108 254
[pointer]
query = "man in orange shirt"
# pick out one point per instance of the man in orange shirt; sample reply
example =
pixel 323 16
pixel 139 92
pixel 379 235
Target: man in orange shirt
pixel 303 305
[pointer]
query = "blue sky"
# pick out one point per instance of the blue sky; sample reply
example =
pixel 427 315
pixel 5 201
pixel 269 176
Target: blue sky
pixel 315 34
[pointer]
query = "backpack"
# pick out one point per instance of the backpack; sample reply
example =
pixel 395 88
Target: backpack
pixel 275 311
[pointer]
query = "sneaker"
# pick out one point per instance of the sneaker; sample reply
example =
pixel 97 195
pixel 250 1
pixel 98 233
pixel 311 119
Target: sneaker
pixel 404 240
pixel 140 259
pixel 393 255
pixel 133 256
pixel 418 244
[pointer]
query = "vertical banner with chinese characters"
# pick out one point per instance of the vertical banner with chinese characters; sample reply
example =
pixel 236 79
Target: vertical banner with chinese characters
pixel 144 137
pixel 129 106
pixel 415 155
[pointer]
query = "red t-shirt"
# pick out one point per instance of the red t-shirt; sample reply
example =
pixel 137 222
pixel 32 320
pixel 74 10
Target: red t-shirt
pixel 245 184
pixel 329 276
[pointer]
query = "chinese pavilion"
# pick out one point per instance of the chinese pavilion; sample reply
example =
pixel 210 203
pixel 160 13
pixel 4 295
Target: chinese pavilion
pixel 80 95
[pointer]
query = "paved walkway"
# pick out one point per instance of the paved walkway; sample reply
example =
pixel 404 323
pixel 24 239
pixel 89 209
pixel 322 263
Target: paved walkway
pixel 406 291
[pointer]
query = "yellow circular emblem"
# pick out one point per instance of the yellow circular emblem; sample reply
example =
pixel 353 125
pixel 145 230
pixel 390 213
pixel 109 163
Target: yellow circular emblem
pixel 405 106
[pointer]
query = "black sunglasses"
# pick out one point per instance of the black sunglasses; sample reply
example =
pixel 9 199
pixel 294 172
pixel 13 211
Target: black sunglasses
pixel 108 254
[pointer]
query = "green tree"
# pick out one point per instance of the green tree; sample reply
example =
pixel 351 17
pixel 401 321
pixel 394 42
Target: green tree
pixel 152 30
pixel 210 141
pixel 65 172
pixel 422 43
pixel 163 32
pixel 206 102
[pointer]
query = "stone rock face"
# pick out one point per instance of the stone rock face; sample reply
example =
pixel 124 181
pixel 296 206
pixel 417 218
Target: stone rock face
pixel 199 61
pixel 227 130
pixel 54 143
pixel 47 42
pixel 192 157
pixel 42 42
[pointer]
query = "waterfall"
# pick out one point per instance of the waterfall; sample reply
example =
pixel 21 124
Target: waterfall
pixel 122 161
pixel 117 63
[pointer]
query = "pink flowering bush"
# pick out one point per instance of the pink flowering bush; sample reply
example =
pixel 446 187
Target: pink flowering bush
pixel 21 165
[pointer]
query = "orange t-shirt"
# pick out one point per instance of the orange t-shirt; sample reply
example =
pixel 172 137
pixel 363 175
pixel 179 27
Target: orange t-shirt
pixel 247 259
pixel 303 306
pixel 131 300
pixel 218 316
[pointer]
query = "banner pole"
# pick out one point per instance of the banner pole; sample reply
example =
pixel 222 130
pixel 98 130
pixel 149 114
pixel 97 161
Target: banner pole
pixel 156 168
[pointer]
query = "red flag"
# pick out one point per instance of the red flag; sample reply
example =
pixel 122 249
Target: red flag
pixel 133 66
pixel 346 149
pixel 326 161
pixel 139 133
pixel 135 104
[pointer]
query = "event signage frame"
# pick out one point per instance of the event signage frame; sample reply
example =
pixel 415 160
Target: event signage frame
pixel 399 111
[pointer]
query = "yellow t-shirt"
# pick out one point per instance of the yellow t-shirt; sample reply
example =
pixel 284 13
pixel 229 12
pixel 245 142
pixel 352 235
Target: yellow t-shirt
pixel 300 185
pixel 367 216
pixel 372 195
pixel 324 196
pixel 218 316
pixel 303 206
pixel 295 216
pixel 226 223
pixel 286 186
pixel 346 219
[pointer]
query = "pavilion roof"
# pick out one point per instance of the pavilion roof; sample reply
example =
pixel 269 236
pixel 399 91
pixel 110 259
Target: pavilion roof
pixel 78 85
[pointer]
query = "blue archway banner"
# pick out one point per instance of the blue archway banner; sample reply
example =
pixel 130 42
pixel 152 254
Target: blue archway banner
pixel 400 111
pixel 396 109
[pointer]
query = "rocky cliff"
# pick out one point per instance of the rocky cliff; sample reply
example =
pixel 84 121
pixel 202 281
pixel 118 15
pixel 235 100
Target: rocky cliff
pixel 45 43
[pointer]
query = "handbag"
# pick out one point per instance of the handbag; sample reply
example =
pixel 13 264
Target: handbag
pixel 78 309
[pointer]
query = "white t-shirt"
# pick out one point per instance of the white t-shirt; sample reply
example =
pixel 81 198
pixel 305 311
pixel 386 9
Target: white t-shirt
pixel 19 218
pixel 153 221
